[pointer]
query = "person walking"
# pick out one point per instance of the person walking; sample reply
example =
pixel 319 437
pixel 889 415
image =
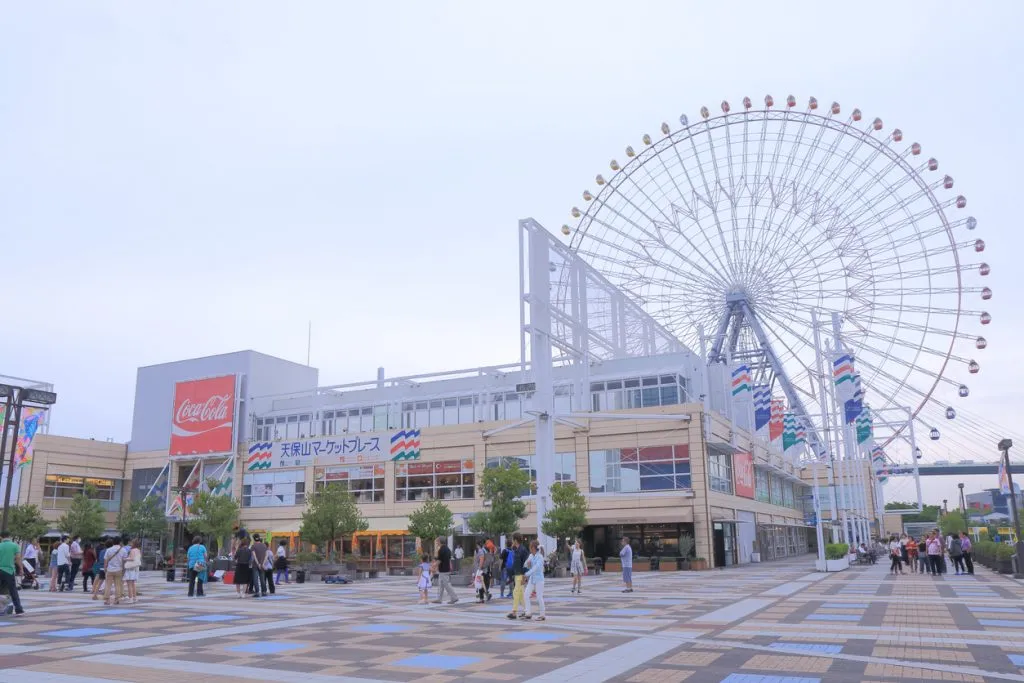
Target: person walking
pixel 534 581
pixel 63 563
pixel 922 555
pixel 76 560
pixel 281 562
pixel 10 568
pixel 626 558
pixel 966 547
pixel 114 561
pixel 132 565
pixel 934 552
pixel 197 560
pixel 259 577
pixel 956 554
pixel 99 570
pixel 268 570
pixel 423 584
pixel 88 566
pixel 507 557
pixel 53 570
pixel 904 552
pixel 444 572
pixel 577 566
pixel 912 554
pixel 243 562
pixel 31 554
pixel 457 556
pixel 895 556
pixel 518 570
pixel 483 566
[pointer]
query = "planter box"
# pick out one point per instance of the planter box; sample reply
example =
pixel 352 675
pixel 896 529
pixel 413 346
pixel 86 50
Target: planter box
pixel 668 565
pixel 832 565
pixel 642 566
pixel 613 566
pixel 698 565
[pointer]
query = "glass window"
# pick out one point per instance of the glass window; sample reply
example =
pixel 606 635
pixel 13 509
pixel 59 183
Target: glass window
pixel 720 472
pixel 787 494
pixel 466 412
pixel 451 411
pixel 292 427
pixel 632 470
pixel 59 489
pixel 762 492
pixel 565 467
pixel 670 395
pixel 436 413
pixel 274 489
pixel 776 490
pixel 365 482
pixel 443 480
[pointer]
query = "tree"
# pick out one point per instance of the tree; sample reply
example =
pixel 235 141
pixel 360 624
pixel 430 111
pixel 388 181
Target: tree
pixel 26 523
pixel 331 515
pixel 214 516
pixel 952 523
pixel 143 519
pixel 929 513
pixel 502 486
pixel 568 513
pixel 432 520
pixel 84 517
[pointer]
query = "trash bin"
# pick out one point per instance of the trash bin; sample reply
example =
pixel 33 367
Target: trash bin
pixel 655 563
pixel 300 576
pixel 170 574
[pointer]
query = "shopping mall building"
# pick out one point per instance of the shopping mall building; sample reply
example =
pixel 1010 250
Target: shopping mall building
pixel 655 464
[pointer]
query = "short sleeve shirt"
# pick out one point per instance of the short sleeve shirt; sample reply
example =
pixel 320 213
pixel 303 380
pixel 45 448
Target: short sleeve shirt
pixel 8 551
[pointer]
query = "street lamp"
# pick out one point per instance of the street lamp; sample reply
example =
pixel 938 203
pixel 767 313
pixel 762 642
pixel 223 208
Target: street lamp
pixel 963 505
pixel 1005 445
pixel 19 396
pixel 945 506
pixel 182 492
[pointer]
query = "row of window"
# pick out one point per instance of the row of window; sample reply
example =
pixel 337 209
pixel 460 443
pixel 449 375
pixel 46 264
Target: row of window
pixel 633 470
pixel 772 488
pixel 622 394
pixel 59 489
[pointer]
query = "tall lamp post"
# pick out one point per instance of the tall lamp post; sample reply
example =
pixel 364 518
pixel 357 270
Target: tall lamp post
pixel 963 505
pixel 182 493
pixel 18 396
pixel 1005 445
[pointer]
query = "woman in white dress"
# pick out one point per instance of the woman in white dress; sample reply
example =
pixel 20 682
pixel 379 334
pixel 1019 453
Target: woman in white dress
pixel 132 564
pixel 577 566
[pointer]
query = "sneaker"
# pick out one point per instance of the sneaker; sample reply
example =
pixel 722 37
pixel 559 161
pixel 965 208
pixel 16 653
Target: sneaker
pixel 511 615
pixel 540 618
pixel 525 617
pixel 435 602
pixel 453 601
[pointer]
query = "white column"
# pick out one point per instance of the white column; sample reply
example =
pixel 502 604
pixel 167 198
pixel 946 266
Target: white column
pixel 540 366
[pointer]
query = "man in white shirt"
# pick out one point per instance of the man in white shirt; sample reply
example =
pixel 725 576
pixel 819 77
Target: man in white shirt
pixel 76 560
pixel 63 563
pixel 113 561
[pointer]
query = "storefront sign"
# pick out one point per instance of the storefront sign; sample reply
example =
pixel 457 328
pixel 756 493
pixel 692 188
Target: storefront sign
pixel 743 473
pixel 204 417
pixel 355 449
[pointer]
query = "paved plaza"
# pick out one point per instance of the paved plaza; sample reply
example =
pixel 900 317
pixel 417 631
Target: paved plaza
pixel 771 623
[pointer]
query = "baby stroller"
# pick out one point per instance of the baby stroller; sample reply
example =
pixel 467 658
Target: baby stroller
pixel 28 576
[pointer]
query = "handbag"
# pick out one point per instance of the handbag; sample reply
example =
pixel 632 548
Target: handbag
pixel 132 562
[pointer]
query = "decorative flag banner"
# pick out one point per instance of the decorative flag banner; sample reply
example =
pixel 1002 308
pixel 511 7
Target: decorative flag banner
pixel 159 487
pixel 225 478
pixel 878 464
pixel 184 499
pixel 260 456
pixel 741 380
pixel 1004 479
pixel 849 393
pixel 31 421
pixel 793 432
pixel 762 406
pixel 865 427
pixel 405 445
pixel 778 408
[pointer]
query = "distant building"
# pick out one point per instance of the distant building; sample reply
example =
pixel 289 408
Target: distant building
pixel 992 502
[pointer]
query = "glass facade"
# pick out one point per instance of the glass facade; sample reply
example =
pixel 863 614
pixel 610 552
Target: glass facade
pixel 274 489
pixel 777 541
pixel 633 470
pixel 638 392
pixel 762 491
pixel 443 480
pixel 720 472
pixel 565 467
pixel 365 482
pixel 60 489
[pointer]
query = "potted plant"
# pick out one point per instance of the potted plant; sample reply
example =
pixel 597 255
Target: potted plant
pixel 1004 562
pixel 699 564
pixel 685 550
pixel 837 558
pixel 306 560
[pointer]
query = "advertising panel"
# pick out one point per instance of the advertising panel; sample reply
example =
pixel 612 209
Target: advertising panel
pixel 343 449
pixel 203 421
pixel 743 473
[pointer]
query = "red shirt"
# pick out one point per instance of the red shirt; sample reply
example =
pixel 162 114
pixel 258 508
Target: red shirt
pixel 88 559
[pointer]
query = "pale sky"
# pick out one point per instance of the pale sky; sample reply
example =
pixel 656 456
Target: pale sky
pixel 192 178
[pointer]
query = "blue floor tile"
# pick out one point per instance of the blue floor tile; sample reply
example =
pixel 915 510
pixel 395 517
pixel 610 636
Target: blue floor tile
pixel 1000 610
pixel 668 602
pixel 629 612
pixel 1002 622
pixel 437 661
pixel 382 628
pixel 809 647
pixel 1016 660
pixel 265 648
pixel 214 617
pixel 532 636
pixel 81 632
pixel 757 678
pixel 846 605
pixel 277 597
pixel 114 612
pixel 833 617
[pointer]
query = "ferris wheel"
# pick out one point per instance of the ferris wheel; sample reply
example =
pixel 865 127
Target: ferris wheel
pixel 739 229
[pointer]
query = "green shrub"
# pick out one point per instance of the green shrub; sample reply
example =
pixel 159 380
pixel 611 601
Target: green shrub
pixel 307 557
pixel 1004 552
pixel 836 551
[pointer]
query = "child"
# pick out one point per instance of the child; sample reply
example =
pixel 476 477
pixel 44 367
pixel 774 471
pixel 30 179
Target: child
pixel 478 585
pixel 426 568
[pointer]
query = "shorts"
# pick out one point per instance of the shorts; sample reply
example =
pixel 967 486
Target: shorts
pixel 627 575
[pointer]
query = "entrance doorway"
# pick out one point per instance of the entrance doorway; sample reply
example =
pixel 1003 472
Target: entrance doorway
pixel 724 543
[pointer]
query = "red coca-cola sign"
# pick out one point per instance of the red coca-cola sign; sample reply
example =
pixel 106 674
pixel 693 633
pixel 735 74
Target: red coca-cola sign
pixel 204 416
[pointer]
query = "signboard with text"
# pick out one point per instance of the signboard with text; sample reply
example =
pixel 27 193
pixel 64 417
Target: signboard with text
pixel 345 449
pixel 203 420
pixel 743 473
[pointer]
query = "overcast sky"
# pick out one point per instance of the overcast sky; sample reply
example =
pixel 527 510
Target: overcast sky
pixel 189 178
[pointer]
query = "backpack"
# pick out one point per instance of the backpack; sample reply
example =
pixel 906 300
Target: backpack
pixel 510 558
pixel 956 548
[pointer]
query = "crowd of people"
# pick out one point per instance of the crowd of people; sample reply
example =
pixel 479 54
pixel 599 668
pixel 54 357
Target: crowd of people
pixel 928 553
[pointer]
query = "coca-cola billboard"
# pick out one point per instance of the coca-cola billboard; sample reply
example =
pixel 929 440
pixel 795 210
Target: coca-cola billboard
pixel 204 417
